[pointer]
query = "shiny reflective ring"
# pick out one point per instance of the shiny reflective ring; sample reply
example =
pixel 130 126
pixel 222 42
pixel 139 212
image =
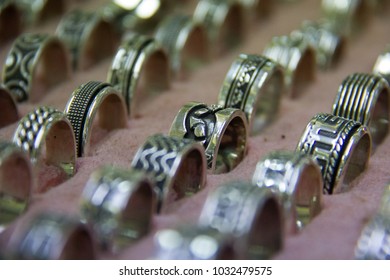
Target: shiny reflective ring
pixel 382 64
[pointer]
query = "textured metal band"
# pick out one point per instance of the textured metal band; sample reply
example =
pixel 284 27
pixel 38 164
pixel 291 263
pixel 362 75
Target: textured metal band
pixel 8 109
pixel 253 215
pixel 118 205
pixel 382 64
pixel 333 142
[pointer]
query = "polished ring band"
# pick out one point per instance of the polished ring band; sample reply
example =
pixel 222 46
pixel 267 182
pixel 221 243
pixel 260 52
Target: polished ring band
pixel 255 85
pixel 297 180
pixel 178 167
pixel 35 63
pixel 382 64
pixel 8 109
pixel 90 101
pixel 223 133
pixel 10 20
pixel 118 205
pixel 341 147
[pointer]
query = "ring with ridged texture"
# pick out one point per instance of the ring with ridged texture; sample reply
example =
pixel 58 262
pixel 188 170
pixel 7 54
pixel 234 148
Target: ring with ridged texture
pixel 35 63
pixel 255 85
pixel 222 132
pixel 260 8
pixel 365 98
pixel 35 11
pixel 193 243
pixel 382 64
pixel 47 137
pixel 297 56
pixel 297 180
pixel 10 20
pixel 118 206
pixel 15 189
pixel 88 36
pixel 8 109
pixel 185 42
pixel 94 102
pixel 52 237
pixel 178 167
pixel 140 69
pixel 224 22
pixel 340 146
pixel 251 214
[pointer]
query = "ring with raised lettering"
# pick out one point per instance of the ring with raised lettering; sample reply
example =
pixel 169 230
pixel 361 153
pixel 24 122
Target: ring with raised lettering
pixel 35 64
pixel 178 167
pixel 35 11
pixel 341 147
pixel 8 109
pixel 10 20
pixel 90 101
pixel 251 214
pixel 255 85
pixel 297 179
pixel 382 64
pixel 223 133
pixel 139 69
pixel 118 205
pixel 365 98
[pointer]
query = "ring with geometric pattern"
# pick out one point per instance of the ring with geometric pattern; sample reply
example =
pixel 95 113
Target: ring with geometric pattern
pixel 223 133
pixel 94 101
pixel 251 214
pixel 10 20
pixel 297 180
pixel 35 11
pixel 8 109
pixel 382 64
pixel 255 85
pixel 365 98
pixel 118 205
pixel 35 63
pixel 139 69
pixel 340 146
pixel 178 167
pixel 47 137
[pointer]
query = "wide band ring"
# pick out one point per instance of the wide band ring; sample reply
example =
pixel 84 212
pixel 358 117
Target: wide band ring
pixel 16 183
pixel 88 36
pixel 341 147
pixel 382 64
pixel 47 136
pixel 255 85
pixel 297 56
pixel 185 42
pixel 139 69
pixel 223 133
pixel 10 20
pixel 252 215
pixel 178 167
pixel 297 180
pixel 40 10
pixel 90 101
pixel 8 109
pixel 118 205
pixel 365 98
pixel 193 243
pixel 35 63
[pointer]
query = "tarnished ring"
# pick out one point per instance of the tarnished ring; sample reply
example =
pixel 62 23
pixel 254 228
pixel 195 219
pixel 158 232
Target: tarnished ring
pixel 341 147
pixel 252 215
pixel 193 243
pixel 255 85
pixel 88 36
pixel 9 111
pixel 382 64
pixel 222 132
pixel 40 10
pixel 365 98
pixel 90 101
pixel 35 63
pixel 139 69
pixel 16 183
pixel 178 167
pixel 185 42
pixel 297 56
pixel 297 180
pixel 10 20
pixel 47 136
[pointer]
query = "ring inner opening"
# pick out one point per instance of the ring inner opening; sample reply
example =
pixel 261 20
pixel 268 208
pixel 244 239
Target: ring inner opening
pixel 232 30
pixel 79 246
pixel 9 113
pixel 379 126
pixel 304 72
pixel 51 9
pixel 10 23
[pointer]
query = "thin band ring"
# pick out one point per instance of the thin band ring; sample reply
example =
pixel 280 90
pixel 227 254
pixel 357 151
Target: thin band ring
pixel 8 109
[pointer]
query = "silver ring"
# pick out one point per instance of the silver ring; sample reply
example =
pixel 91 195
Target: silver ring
pixel 297 179
pixel 341 147
pixel 382 64
pixel 47 137
pixel 252 215
pixel 365 98
pixel 223 133
pixel 139 69
pixel 11 21
pixel 178 167
pixel 8 109
pixel 255 85
pixel 94 100
pixel 118 205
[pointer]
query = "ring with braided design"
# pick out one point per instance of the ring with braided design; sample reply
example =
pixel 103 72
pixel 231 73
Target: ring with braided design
pixel 8 108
